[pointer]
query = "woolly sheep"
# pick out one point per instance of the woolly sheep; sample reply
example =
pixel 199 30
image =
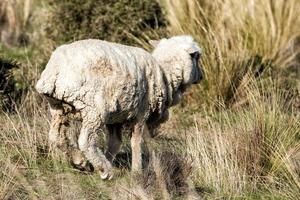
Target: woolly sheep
pixel 109 86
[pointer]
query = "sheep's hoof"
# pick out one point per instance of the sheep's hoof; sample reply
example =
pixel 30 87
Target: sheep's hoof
pixel 106 175
pixel 78 161
pixel 87 166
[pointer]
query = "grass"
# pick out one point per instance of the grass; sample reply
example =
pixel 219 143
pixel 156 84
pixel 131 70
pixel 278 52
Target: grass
pixel 248 151
pixel 235 136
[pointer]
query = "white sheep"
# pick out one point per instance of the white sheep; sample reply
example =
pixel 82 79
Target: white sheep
pixel 109 86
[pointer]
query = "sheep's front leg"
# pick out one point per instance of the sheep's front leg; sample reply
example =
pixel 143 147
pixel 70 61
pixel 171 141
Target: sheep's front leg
pixel 87 142
pixel 136 140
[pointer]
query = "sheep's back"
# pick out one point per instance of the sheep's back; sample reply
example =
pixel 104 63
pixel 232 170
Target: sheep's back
pixel 108 76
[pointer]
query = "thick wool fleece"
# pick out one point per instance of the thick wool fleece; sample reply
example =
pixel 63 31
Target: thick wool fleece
pixel 121 83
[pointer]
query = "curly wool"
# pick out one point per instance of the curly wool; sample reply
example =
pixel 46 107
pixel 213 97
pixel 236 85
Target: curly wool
pixel 122 82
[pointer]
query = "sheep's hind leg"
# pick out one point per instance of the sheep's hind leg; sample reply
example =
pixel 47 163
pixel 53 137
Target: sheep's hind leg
pixel 58 126
pixel 87 142
pixel 114 141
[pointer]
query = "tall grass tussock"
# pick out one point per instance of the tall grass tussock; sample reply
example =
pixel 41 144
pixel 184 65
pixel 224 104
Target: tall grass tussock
pixel 235 136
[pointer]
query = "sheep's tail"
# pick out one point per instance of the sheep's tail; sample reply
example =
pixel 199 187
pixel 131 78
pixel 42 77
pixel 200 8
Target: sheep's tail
pixel 47 83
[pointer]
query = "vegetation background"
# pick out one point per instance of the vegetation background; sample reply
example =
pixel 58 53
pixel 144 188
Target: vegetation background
pixel 235 136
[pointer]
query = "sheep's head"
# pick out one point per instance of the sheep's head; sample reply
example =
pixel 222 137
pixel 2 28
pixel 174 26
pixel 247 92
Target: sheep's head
pixel 179 59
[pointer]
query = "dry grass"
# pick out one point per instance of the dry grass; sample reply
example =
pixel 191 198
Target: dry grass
pixel 246 152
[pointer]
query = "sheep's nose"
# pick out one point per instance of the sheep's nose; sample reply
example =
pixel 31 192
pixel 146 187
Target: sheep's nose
pixel 198 78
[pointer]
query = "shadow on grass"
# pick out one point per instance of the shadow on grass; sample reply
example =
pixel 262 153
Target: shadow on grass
pixel 123 160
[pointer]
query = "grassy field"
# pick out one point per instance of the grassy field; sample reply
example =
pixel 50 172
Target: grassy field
pixel 234 136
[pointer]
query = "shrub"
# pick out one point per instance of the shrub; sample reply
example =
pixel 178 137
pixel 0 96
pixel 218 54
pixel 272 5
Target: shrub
pixel 7 85
pixel 109 20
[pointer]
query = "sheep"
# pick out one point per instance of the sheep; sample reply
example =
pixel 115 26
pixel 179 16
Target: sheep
pixel 110 86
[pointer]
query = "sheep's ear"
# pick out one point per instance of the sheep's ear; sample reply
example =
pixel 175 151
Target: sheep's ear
pixel 154 43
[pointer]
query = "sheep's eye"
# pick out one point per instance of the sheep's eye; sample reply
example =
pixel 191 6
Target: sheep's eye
pixel 195 55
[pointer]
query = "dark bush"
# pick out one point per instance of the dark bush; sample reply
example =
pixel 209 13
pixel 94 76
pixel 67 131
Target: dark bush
pixel 7 85
pixel 112 20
